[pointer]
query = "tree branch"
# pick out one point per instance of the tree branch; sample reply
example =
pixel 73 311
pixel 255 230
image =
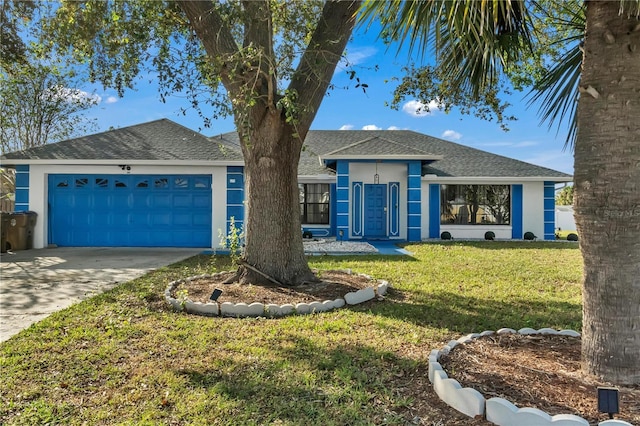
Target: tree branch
pixel 317 65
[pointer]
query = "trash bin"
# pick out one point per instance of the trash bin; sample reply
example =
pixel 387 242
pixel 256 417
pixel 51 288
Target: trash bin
pixel 20 230
pixel 5 219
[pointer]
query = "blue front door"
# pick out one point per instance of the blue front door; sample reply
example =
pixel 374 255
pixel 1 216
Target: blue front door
pixel 375 211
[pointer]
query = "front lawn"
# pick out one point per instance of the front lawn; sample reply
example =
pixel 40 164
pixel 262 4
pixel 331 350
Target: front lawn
pixel 124 358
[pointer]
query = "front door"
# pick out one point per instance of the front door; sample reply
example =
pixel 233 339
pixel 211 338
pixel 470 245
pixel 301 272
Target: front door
pixel 375 211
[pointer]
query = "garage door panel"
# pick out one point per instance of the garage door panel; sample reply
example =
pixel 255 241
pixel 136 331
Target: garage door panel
pixel 131 210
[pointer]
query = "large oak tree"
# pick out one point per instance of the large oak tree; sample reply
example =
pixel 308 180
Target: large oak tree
pixel 267 62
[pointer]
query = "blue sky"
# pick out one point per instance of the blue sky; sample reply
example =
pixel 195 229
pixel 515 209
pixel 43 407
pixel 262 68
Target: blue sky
pixel 526 140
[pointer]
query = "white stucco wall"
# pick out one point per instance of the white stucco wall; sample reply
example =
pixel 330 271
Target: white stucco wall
pixel 387 172
pixel 532 207
pixel 38 190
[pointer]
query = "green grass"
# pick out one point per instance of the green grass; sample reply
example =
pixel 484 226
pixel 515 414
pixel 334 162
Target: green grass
pixel 123 358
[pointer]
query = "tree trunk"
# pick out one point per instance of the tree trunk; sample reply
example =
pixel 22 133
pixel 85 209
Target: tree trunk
pixel 607 193
pixel 272 227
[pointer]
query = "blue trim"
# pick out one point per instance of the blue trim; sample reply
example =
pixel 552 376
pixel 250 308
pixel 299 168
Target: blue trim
pixel 434 210
pixel 333 210
pixel 342 198
pixel 414 201
pixel 356 209
pixel 235 197
pixel 516 212
pixel 22 188
pixel 549 210
pixel 394 209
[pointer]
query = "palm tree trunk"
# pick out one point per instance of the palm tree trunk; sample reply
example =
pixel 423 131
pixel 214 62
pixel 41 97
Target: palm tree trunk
pixel 607 193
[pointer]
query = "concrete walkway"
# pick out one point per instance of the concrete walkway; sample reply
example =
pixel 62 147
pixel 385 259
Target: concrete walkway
pixel 36 283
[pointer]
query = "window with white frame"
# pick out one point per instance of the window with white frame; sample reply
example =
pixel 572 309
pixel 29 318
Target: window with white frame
pixel 475 204
pixel 314 203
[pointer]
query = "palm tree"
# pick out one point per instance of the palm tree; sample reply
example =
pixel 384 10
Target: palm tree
pixel 475 42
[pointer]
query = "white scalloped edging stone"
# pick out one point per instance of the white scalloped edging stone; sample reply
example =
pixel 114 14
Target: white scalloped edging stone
pixel 465 400
pixel 241 310
pixel 498 411
pixel 360 296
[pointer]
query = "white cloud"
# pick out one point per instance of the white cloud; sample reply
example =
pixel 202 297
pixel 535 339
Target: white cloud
pixel 418 109
pixel 452 135
pixel 346 127
pixel 74 95
pixel 393 128
pixel 356 56
pixel 111 100
pixel 371 127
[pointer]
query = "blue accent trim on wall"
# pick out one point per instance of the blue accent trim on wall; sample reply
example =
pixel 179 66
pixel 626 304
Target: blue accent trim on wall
pixel 356 209
pixel 342 198
pixel 549 210
pixel 235 196
pixel 333 210
pixel 394 209
pixel 22 188
pixel 414 201
pixel 434 210
pixel 516 212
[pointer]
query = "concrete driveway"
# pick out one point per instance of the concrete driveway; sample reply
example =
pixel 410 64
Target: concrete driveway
pixel 36 283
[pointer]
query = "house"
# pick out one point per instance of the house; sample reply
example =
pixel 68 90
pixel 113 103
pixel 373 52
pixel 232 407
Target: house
pixel 161 184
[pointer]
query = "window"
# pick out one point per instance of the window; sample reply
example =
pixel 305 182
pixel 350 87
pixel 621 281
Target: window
pixel 314 203
pixel 475 204
pixel 102 183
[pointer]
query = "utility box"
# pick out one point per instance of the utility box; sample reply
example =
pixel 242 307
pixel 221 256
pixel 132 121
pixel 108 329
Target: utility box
pixel 19 232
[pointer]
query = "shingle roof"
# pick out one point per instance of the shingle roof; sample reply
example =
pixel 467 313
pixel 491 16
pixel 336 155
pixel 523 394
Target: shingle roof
pixel 166 140
pixel 156 140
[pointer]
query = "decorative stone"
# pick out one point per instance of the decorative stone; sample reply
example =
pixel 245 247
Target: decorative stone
pixel 550 331
pixel 228 309
pixel 287 309
pixel 433 367
pixel 175 304
pixel 506 331
pixel 303 308
pixel 468 338
pixel 570 333
pixel 273 310
pixel 207 309
pixel 487 333
pixel 255 309
pixel 339 303
pixel 360 296
pixel 328 305
pixel 434 355
pixel 502 412
pixel 315 307
pixel 468 401
pixel 382 288
pixel 527 331
pixel 614 423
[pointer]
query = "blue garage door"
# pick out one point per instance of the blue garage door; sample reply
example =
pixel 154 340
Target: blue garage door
pixel 130 210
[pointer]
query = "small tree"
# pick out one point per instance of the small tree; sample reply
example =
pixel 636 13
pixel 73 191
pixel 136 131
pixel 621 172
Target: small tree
pixel 38 106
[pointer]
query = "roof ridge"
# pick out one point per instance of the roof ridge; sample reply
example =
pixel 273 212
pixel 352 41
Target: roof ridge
pixel 342 148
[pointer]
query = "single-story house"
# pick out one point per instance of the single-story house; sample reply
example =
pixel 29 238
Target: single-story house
pixel 162 184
